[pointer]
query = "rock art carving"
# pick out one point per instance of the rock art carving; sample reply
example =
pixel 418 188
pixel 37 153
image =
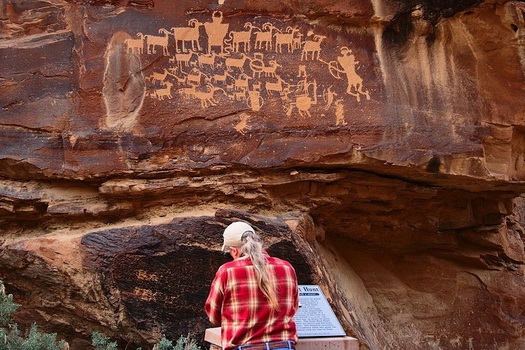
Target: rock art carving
pixel 135 45
pixel 340 113
pixel 265 37
pixel 312 48
pixel 286 40
pixel 152 41
pixel 242 126
pixel 241 39
pixel 216 32
pixel 163 92
pixel 304 97
pixel 187 35
pixel 211 63
pixel 346 65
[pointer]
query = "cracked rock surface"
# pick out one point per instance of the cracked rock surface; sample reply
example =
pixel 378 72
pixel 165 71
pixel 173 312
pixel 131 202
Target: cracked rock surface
pixel 377 145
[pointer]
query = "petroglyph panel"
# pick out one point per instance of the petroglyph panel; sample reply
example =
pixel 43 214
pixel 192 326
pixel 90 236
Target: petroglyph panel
pixel 259 64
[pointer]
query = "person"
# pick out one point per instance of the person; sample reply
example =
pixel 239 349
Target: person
pixel 253 298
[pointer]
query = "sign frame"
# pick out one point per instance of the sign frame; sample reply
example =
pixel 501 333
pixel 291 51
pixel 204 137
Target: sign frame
pixel 315 317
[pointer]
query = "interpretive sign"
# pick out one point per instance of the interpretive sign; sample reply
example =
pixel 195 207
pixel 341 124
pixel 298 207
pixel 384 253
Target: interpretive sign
pixel 315 317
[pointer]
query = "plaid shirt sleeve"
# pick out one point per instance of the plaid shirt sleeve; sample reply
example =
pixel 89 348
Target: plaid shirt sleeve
pixel 213 305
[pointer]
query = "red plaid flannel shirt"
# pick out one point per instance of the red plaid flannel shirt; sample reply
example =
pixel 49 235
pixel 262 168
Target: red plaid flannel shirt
pixel 237 304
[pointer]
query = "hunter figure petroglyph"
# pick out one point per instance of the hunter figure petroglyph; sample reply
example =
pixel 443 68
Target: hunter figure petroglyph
pixel 346 64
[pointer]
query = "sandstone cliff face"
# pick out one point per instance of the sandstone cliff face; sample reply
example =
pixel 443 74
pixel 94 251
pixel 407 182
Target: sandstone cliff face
pixel 378 145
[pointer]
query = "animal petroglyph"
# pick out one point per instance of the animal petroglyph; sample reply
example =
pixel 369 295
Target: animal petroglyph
pixel 185 35
pixel 183 59
pixel 262 70
pixel 207 61
pixel 265 37
pixel 211 63
pixel 153 41
pixel 278 86
pixel 207 97
pixel 135 45
pixel 312 48
pixel 237 63
pixel 160 77
pixel 241 39
pixel 242 126
pixel 164 92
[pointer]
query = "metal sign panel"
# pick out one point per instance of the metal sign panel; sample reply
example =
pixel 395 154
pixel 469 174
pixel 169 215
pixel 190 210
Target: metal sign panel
pixel 315 317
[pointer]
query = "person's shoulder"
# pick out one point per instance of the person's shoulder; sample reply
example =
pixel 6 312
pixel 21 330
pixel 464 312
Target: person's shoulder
pixel 232 264
pixel 278 261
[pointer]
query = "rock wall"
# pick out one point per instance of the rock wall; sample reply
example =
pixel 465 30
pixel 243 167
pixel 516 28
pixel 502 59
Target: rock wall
pixel 379 146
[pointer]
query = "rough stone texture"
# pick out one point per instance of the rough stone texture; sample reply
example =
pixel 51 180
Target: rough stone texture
pixel 378 145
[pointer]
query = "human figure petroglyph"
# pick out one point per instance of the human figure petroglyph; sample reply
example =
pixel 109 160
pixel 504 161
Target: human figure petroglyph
pixel 255 100
pixel 347 60
pixel 302 71
pixel 312 47
pixel 329 96
pixel 153 41
pixel 135 45
pixel 216 32
pixel 303 99
pixel 186 35
pixel 346 64
pixel 340 113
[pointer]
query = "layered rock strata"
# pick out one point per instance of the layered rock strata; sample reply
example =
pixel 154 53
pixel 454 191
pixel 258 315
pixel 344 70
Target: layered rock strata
pixel 377 145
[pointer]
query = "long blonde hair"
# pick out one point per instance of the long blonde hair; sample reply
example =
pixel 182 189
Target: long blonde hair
pixel 252 247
